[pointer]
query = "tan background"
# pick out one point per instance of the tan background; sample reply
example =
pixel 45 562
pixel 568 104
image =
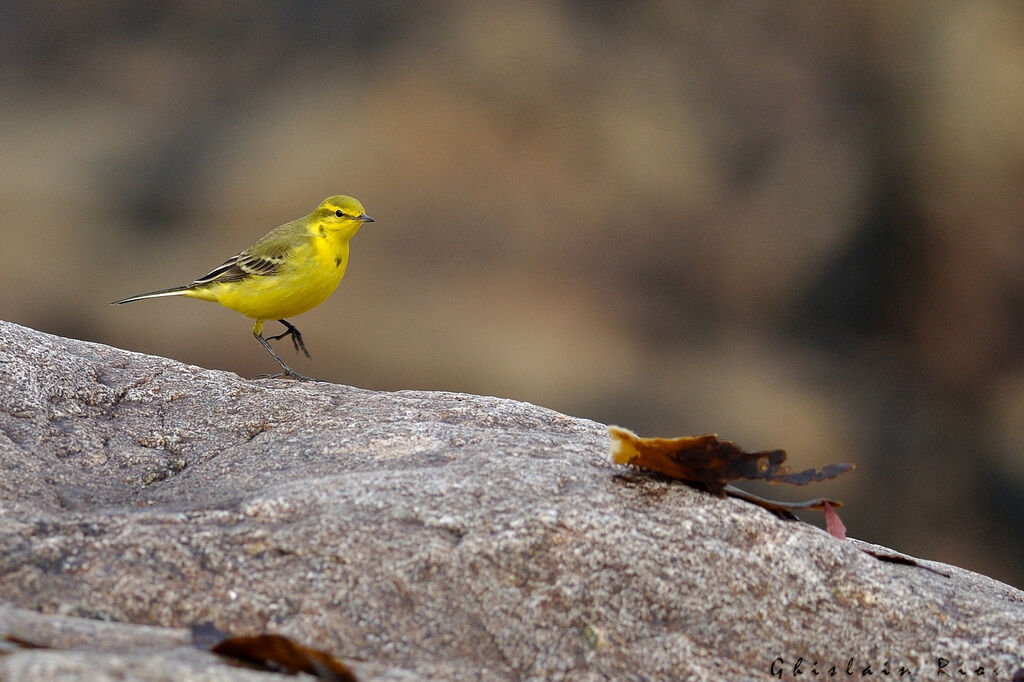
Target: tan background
pixel 796 225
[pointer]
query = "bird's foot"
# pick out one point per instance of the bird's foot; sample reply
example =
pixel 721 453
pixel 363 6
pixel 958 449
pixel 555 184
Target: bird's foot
pixel 292 331
pixel 290 374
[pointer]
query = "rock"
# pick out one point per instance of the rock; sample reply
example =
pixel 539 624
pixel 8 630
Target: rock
pixel 415 535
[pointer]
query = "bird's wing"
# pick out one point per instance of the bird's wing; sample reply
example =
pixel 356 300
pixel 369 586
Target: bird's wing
pixel 241 266
pixel 263 258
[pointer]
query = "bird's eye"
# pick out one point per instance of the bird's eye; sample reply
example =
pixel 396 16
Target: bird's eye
pixel 339 213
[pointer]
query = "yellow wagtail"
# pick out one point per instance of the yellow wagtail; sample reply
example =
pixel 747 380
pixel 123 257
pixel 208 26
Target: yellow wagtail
pixel 291 269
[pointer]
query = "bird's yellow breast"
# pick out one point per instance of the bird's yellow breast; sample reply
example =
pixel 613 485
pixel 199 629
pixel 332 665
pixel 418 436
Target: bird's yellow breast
pixel 309 274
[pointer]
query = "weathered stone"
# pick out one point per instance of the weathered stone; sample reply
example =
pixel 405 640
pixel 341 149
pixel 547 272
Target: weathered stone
pixel 432 535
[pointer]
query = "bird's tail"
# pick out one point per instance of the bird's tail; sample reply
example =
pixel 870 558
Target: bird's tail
pixel 173 291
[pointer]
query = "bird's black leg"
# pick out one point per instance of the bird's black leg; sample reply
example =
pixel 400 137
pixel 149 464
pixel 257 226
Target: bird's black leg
pixel 288 371
pixel 293 332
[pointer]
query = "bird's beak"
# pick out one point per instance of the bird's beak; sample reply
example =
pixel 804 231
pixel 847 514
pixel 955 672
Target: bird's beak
pixel 365 219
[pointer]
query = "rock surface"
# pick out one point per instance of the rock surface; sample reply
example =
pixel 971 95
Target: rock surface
pixel 415 535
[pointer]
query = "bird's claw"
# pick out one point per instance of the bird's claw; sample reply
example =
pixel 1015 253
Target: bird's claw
pixel 286 375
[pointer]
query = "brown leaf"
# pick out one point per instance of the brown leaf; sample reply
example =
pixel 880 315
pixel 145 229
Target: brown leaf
pixel 22 643
pixel 280 654
pixel 710 462
pixel 892 557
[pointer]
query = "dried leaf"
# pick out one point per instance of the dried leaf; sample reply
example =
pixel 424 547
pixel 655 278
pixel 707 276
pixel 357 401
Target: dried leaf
pixel 280 654
pixel 901 559
pixel 710 462
pixel 780 507
pixel 24 643
pixel 833 524
pixel 18 643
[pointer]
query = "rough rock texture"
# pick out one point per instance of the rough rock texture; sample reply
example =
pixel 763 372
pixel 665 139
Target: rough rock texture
pixel 430 535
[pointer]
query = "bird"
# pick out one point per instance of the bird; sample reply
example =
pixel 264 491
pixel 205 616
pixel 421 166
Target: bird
pixel 288 271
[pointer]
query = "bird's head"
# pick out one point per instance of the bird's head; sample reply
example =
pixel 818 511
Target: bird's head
pixel 341 211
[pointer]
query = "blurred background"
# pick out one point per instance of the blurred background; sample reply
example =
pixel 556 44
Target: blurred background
pixel 796 225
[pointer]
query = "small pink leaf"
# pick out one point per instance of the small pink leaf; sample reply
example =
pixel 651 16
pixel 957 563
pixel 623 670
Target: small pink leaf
pixel 833 524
